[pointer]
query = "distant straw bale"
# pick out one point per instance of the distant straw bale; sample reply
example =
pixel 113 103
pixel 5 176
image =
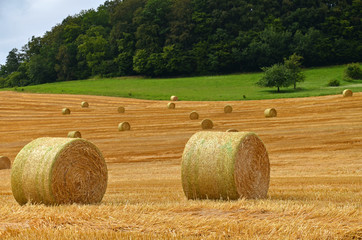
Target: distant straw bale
pixel 171 105
pixel 56 171
pixel 65 111
pixel 84 104
pixel 121 109
pixel 4 163
pixel 228 109
pixel 74 134
pixel 347 93
pixel 207 124
pixel 232 130
pixel 220 165
pixel 194 115
pixel 270 112
pixel 124 126
pixel 174 98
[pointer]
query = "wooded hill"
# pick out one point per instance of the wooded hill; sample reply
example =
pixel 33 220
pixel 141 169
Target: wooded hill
pixel 188 37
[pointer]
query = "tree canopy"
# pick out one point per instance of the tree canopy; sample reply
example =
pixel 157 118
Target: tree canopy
pixel 188 37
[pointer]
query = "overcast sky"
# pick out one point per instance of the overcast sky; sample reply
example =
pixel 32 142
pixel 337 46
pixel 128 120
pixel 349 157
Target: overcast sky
pixel 22 19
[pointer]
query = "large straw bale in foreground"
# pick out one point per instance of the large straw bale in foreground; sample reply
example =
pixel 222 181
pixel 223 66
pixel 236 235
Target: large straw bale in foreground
pixel 59 171
pixel 347 93
pixel 270 112
pixel 4 162
pixel 220 165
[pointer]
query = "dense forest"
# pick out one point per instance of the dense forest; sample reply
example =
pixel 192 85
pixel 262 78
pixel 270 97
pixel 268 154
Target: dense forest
pixel 188 37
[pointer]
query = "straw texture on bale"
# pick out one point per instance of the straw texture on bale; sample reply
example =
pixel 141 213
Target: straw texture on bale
pixel 194 115
pixel 65 111
pixel 124 126
pixel 220 165
pixel 4 162
pixel 171 105
pixel 232 130
pixel 174 98
pixel 84 104
pixel 121 109
pixel 207 124
pixel 74 134
pixel 55 171
pixel 228 109
pixel 347 93
pixel 270 112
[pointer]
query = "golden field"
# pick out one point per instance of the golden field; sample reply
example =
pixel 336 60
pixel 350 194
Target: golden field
pixel 315 152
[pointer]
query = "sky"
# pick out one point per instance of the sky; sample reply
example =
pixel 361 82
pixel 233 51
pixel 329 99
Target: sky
pixel 22 19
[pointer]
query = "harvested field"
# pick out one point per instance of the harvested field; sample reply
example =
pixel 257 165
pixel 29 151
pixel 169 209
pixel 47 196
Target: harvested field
pixel 315 153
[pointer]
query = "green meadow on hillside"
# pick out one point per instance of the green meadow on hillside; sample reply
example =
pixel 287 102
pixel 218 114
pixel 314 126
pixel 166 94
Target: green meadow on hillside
pixel 204 88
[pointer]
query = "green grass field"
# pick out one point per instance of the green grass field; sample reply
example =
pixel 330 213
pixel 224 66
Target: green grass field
pixel 219 88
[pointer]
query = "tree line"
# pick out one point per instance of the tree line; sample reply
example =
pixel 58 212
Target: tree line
pixel 188 37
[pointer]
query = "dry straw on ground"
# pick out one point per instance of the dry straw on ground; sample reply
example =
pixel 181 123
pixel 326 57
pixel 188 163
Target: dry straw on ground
pixel 232 130
pixel 84 104
pixel 220 165
pixel 124 126
pixel 174 98
pixel 207 124
pixel 59 171
pixel 65 111
pixel 270 112
pixel 171 105
pixel 347 93
pixel 121 109
pixel 74 134
pixel 194 115
pixel 4 162
pixel 228 109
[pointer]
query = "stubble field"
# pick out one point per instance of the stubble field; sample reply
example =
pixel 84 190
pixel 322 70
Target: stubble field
pixel 315 151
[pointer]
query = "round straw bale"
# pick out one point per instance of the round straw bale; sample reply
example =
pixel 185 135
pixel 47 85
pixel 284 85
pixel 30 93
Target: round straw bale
pixel 232 130
pixel 171 105
pixel 124 126
pixel 74 134
pixel 4 162
pixel 207 124
pixel 65 111
pixel 270 112
pixel 194 115
pixel 84 104
pixel 228 109
pixel 174 98
pixel 220 165
pixel 347 93
pixel 121 109
pixel 59 171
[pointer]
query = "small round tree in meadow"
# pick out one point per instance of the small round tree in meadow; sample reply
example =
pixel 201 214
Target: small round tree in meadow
pixel 275 76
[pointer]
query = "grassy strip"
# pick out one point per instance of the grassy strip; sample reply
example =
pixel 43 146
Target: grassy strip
pixel 218 88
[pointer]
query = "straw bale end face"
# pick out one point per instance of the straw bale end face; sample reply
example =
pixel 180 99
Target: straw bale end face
pixel 207 124
pixel 171 105
pixel 270 112
pixel 347 93
pixel 121 109
pixel 56 171
pixel 124 126
pixel 65 111
pixel 174 98
pixel 194 115
pixel 5 163
pixel 84 104
pixel 220 165
pixel 74 134
pixel 228 109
